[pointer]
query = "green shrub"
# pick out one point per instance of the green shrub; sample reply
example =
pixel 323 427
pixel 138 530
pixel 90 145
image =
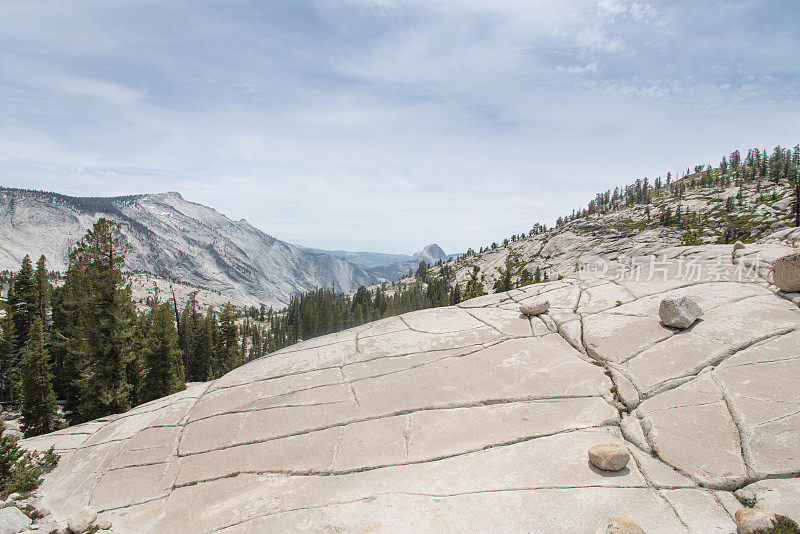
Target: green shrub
pixel 783 525
pixel 21 471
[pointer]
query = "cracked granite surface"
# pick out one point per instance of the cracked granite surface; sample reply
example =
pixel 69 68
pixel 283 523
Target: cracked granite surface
pixel 476 417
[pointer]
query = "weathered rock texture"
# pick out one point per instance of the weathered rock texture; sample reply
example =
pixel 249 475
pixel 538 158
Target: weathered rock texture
pixel 786 273
pixel 751 520
pixel 474 416
pixel 679 311
pixel 12 520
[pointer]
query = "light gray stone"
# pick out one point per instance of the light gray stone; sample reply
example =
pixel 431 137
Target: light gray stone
pixel 749 520
pixel 786 273
pixel 619 525
pixel 609 456
pixel 535 308
pixel 737 246
pixel 632 430
pixel 781 496
pixel 82 521
pixel 13 521
pixel 13 497
pixel 679 311
pixel 374 427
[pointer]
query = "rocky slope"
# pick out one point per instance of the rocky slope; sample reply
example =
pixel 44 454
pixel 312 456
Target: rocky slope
pixel 477 415
pixel 172 238
pixel 637 230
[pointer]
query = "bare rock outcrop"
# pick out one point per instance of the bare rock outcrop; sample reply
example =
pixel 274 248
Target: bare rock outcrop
pixel 374 427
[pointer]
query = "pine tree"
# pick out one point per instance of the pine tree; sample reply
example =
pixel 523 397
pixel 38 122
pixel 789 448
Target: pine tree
pixel 8 352
pixel 99 332
pixel 162 359
pixel 10 453
pixel 23 302
pixel 44 289
pixel 39 410
pixel 226 355
pixel 474 287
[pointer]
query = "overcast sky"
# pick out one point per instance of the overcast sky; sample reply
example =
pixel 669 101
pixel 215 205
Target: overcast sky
pixel 387 124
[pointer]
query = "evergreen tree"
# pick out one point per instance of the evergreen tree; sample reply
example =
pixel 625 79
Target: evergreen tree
pixel 10 453
pixel 39 410
pixel 23 302
pixel 100 329
pixel 43 289
pixel 162 358
pixel 226 356
pixel 474 287
pixel 503 282
pixel 8 352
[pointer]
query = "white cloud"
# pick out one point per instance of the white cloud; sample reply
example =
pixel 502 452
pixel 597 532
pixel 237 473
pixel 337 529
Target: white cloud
pixel 382 124
pixel 579 69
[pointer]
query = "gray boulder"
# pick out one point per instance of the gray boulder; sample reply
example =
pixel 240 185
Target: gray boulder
pixel 679 311
pixel 13 521
pixel 535 308
pixel 786 273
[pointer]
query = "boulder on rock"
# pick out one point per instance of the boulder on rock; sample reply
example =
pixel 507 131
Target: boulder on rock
pixel 13 521
pixel 82 521
pixel 535 308
pixel 750 520
pixel 679 311
pixel 619 525
pixel 786 273
pixel 737 246
pixel 609 456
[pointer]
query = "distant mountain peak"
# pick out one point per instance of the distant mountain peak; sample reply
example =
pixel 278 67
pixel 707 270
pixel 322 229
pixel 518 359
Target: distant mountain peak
pixel 430 254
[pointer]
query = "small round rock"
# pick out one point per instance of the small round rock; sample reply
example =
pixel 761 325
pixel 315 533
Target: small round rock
pixel 786 273
pixel 104 524
pixel 738 246
pixel 82 521
pixel 535 308
pixel 609 456
pixel 749 520
pixel 619 525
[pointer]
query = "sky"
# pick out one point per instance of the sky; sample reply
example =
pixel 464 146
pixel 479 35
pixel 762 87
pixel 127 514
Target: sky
pixel 384 125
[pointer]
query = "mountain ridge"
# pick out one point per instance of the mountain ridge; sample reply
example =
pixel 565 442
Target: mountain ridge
pixel 173 238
